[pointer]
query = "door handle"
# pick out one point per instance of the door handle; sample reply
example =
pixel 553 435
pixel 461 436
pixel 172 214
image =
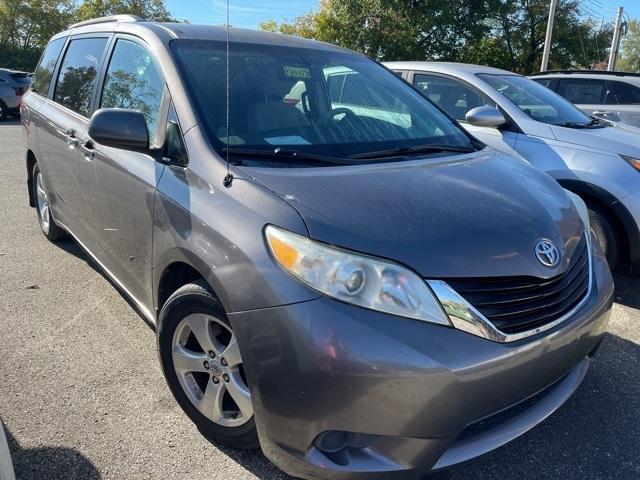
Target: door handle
pixel 89 151
pixel 72 141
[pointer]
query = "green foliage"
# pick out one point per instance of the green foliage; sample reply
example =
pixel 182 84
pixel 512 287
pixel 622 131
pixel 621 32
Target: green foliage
pixel 27 25
pixel 629 61
pixel 154 10
pixel 502 33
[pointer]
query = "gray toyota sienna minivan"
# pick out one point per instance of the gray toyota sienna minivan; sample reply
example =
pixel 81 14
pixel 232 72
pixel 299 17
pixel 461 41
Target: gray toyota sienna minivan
pixel 336 271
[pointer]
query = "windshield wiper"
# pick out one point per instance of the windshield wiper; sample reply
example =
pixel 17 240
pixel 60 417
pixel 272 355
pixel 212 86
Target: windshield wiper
pixel 595 122
pixel 288 155
pixel 426 148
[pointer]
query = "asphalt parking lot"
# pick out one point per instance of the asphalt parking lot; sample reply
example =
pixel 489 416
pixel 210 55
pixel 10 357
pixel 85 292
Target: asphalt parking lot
pixel 82 395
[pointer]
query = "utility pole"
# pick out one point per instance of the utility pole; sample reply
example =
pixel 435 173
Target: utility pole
pixel 615 45
pixel 547 38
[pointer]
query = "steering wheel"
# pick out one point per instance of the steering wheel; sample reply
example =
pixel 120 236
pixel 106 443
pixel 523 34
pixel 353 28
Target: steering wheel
pixel 334 113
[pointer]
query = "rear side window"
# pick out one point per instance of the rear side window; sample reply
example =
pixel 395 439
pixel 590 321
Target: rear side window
pixel 78 74
pixel 626 94
pixel 44 70
pixel 134 82
pixel 585 91
pixel 453 97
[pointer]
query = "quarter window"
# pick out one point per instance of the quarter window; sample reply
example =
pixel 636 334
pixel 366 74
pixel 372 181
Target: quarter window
pixel 453 97
pixel 133 82
pixel 626 94
pixel 78 74
pixel 44 71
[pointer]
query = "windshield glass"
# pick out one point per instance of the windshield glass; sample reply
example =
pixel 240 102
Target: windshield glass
pixel 311 101
pixel 537 101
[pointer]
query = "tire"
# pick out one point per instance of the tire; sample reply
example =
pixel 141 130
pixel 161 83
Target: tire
pixel 605 233
pixel 197 370
pixel 3 110
pixel 47 224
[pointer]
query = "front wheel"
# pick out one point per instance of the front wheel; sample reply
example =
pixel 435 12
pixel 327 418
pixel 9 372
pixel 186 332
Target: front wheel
pixel 201 362
pixel 605 234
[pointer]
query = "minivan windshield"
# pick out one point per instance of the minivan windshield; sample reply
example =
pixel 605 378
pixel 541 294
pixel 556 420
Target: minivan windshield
pixel 539 102
pixel 317 105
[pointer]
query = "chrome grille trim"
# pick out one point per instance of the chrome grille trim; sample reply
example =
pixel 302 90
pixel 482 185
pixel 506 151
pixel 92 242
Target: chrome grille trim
pixel 467 318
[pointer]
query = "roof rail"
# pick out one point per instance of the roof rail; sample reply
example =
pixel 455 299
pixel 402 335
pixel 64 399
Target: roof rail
pixel 590 72
pixel 111 18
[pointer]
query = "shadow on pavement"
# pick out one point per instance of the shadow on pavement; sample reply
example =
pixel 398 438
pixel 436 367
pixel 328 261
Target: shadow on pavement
pixel 627 290
pixel 49 463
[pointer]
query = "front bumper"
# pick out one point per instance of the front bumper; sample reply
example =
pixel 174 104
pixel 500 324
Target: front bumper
pixel 408 389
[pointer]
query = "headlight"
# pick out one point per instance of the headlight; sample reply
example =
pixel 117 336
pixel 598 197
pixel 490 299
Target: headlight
pixel 634 162
pixel 352 278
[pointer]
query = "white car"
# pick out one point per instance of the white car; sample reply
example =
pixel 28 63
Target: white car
pixel 596 159
pixel 6 467
pixel 613 96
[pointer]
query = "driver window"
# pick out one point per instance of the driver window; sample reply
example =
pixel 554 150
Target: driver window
pixel 134 82
pixel 453 97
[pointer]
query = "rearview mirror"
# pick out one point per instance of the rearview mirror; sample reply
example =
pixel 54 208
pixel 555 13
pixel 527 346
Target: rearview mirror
pixel 485 117
pixel 119 128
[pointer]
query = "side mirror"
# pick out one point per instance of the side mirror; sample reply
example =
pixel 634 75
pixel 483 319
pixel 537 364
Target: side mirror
pixel 119 128
pixel 485 117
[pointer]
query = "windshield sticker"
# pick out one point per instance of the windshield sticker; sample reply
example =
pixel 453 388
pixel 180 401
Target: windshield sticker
pixel 296 72
pixel 287 140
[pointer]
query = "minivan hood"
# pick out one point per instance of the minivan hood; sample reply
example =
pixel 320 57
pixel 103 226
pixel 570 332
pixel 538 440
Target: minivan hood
pixel 474 215
pixel 620 139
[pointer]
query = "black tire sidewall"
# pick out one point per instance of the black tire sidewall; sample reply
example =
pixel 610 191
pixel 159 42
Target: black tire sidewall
pixel 605 231
pixel 181 304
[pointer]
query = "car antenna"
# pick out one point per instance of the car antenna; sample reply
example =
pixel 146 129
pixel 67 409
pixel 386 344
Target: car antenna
pixel 228 179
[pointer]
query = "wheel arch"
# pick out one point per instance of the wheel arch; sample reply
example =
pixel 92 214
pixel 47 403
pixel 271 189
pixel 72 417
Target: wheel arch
pixel 623 219
pixel 181 268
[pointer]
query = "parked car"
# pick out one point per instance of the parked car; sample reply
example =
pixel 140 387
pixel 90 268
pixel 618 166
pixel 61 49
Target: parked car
pixel 353 293
pixel 596 159
pixel 614 96
pixel 13 84
pixel 6 465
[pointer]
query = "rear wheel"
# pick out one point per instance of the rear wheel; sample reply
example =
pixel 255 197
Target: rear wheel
pixel 48 226
pixel 201 362
pixel 606 235
pixel 3 111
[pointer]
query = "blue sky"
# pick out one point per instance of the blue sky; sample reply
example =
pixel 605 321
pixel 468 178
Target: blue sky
pixel 243 13
pixel 249 13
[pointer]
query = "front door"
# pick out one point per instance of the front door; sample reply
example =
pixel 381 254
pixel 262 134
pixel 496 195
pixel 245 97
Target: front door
pixel 121 184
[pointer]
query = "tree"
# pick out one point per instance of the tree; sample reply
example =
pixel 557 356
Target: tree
pixel 153 10
pixel 27 25
pixel 629 61
pixel 502 33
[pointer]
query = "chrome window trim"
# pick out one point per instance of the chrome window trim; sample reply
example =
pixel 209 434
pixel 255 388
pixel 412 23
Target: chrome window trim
pixel 467 318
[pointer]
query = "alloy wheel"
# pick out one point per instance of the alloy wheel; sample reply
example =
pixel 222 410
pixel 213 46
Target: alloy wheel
pixel 43 204
pixel 207 361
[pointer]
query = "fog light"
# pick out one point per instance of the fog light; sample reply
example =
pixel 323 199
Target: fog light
pixel 332 441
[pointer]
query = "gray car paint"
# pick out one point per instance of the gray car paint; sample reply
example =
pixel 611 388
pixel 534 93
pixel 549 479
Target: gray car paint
pixel 315 364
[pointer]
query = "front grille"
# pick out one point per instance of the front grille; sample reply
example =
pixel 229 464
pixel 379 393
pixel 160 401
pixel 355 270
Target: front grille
pixel 518 304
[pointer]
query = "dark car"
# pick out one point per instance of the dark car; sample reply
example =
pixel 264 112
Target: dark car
pixel 13 84
pixel 336 270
